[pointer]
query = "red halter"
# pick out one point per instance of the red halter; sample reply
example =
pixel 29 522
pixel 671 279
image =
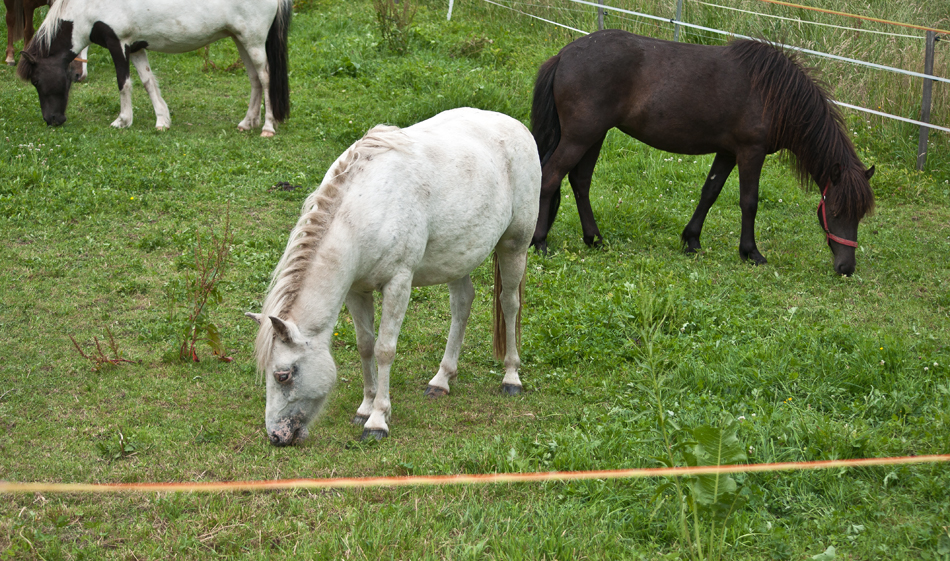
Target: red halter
pixel 824 221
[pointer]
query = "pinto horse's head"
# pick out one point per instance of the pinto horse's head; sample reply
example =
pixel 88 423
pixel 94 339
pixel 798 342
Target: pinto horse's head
pixel 45 64
pixel 299 374
pixel 845 199
pixel 52 79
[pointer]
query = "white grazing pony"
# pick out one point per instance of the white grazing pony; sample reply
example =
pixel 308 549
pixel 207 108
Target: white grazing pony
pixel 400 208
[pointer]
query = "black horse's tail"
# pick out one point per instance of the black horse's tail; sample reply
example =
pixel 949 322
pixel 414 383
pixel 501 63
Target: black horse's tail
pixel 276 49
pixel 545 124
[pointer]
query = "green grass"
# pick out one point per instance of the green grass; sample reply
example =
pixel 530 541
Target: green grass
pixel 98 227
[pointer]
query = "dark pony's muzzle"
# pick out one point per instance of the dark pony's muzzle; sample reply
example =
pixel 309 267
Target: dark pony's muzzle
pixel 55 120
pixel 844 250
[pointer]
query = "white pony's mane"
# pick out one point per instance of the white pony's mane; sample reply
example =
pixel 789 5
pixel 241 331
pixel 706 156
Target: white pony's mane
pixel 50 27
pixel 305 238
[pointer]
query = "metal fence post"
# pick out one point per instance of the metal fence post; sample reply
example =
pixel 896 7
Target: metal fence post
pixel 679 17
pixel 449 17
pixel 925 101
pixel 600 16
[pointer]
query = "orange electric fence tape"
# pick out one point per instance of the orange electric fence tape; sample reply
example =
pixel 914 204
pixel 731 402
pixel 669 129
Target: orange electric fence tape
pixel 847 15
pixel 427 480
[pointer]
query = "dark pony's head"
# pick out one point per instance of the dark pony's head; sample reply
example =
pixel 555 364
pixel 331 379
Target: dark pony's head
pixel 45 64
pixel 809 128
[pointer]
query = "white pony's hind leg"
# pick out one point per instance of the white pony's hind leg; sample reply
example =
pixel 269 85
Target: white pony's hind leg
pixel 163 119
pixel 461 296
pixel 255 62
pixel 395 300
pixel 360 305
pixel 125 106
pixel 512 270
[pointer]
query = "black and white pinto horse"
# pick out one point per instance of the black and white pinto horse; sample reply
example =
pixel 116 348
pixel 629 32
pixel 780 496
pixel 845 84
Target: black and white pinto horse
pixel 127 28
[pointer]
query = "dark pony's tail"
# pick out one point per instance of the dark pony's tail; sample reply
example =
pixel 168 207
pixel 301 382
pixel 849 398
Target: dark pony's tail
pixel 545 124
pixel 276 49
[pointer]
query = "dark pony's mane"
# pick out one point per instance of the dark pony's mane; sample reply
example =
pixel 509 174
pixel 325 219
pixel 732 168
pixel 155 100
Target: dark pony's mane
pixel 807 126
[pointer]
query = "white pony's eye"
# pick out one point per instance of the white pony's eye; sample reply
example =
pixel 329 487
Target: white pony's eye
pixel 282 376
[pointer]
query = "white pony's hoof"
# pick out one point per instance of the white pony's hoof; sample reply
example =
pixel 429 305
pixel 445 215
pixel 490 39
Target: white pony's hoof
pixel 267 134
pixel 162 128
pixel 121 123
pixel 435 392
pixel 511 389
pixel 374 434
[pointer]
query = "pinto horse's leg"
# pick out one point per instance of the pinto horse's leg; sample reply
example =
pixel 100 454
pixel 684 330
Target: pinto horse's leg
pixel 721 168
pixel 125 102
pixel 461 296
pixel 163 119
pixel 255 62
pixel 395 301
pixel 750 168
pixel 580 178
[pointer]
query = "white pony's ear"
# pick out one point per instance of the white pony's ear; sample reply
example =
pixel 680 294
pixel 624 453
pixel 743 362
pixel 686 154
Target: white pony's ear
pixel 255 317
pixel 285 331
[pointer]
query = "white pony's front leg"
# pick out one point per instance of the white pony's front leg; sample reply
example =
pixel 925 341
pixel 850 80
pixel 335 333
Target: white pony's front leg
pixel 461 296
pixel 395 300
pixel 125 106
pixel 255 62
pixel 360 305
pixel 163 119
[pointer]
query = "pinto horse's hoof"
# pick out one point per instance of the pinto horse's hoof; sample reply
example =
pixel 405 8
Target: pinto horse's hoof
pixel 375 434
pixel 266 134
pixel 359 419
pixel 435 392
pixel 511 389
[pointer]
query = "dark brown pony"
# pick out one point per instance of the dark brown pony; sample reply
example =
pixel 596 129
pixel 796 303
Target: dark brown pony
pixel 740 102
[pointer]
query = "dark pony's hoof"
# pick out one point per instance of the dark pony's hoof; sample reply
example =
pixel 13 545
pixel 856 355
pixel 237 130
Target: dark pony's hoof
pixel 359 419
pixel 375 434
pixel 435 391
pixel 541 247
pixel 595 241
pixel 511 389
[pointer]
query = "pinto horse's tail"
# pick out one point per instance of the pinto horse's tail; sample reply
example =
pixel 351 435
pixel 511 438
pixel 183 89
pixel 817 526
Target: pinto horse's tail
pixel 19 22
pixel 276 48
pixel 545 124
pixel 499 326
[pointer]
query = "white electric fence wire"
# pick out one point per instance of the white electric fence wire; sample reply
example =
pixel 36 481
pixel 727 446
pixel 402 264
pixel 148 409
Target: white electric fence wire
pixel 720 32
pixel 540 18
pixel 904 119
pixel 784 46
pixel 801 21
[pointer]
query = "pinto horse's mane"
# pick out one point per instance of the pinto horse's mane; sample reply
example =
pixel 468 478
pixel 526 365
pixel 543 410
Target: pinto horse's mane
pixel 315 219
pixel 48 29
pixel 806 125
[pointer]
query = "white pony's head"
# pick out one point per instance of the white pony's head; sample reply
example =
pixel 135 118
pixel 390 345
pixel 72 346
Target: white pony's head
pixel 299 373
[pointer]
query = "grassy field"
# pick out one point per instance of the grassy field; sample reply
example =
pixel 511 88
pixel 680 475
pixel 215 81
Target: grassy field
pixel 631 353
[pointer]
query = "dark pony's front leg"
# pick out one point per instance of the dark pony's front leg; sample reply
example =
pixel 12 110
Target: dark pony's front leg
pixel 580 178
pixel 750 168
pixel 721 168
